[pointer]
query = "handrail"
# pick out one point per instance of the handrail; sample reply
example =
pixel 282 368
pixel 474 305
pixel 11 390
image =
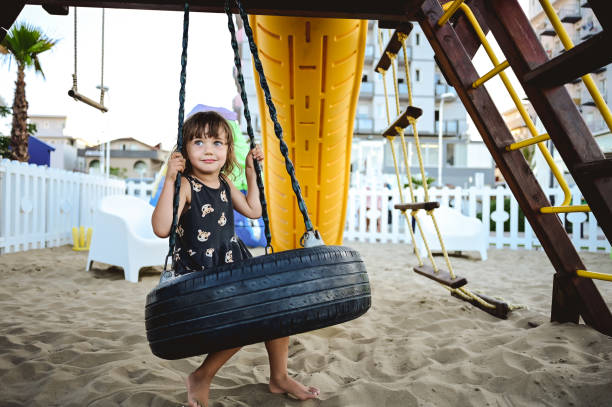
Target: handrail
pixel 515 98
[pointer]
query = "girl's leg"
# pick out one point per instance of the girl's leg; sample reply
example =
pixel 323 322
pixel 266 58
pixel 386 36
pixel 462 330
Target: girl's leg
pixel 280 382
pixel 198 382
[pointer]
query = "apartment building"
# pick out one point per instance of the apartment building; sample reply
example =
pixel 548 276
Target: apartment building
pixel 465 158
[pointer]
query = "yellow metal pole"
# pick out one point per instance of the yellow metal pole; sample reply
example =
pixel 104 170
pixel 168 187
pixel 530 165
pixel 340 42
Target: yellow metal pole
pixel 490 74
pixel 528 142
pixel 565 209
pixel 592 274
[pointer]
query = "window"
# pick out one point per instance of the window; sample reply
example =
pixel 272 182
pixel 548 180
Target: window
pixel 456 155
pixel 94 164
pixel 364 78
pixel 140 167
pixel 123 147
pixel 417 74
pixel 418 39
pixel 430 154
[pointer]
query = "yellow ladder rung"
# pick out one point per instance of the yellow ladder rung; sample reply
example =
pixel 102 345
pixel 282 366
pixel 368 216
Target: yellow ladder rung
pixel 528 142
pixel 565 209
pixel 497 69
pixel 592 274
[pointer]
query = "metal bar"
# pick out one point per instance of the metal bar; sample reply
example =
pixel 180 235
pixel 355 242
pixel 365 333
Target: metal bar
pixel 490 74
pixel 565 209
pixel 595 275
pixel 449 12
pixel 528 142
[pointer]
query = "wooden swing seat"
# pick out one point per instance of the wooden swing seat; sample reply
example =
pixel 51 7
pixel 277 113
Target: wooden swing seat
pixel 442 276
pixel 402 121
pixel 415 206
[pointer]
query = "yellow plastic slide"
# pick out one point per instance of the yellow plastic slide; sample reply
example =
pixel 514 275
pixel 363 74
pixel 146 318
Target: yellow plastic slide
pixel 313 67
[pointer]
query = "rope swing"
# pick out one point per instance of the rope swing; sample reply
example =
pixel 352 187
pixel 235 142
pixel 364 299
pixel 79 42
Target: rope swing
pixel 73 92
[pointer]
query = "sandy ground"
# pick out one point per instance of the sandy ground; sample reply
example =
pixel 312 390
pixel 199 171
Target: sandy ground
pixel 75 338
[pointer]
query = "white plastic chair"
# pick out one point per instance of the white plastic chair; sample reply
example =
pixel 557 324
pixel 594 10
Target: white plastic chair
pixel 459 232
pixel 123 236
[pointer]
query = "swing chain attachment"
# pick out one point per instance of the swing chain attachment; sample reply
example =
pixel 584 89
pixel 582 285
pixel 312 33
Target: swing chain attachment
pixel 311 238
pixel 166 274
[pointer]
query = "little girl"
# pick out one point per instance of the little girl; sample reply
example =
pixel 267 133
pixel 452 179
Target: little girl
pixel 205 232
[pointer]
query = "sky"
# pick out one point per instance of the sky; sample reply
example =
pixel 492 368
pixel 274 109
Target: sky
pixel 141 69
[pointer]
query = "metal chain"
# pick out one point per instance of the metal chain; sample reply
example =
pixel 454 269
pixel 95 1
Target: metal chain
pixel 102 90
pixel 247 115
pixel 74 75
pixel 278 130
pixel 179 139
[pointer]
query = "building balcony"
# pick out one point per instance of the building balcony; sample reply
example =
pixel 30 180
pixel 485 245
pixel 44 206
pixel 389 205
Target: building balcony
pixel 451 127
pixel 546 30
pixel 570 14
pixel 442 88
pixel 364 125
pixel 366 91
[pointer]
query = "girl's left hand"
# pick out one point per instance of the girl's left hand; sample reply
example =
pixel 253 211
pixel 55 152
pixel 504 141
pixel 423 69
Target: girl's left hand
pixel 257 154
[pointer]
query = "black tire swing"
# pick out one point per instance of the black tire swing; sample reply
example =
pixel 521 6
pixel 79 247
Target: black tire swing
pixel 261 298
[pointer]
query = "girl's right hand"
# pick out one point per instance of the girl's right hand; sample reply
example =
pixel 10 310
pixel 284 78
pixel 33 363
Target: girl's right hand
pixel 176 163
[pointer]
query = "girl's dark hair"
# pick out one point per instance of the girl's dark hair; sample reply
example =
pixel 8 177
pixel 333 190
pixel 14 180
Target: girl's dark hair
pixel 196 126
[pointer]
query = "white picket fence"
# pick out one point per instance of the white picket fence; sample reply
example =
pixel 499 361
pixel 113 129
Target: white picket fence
pixel 372 218
pixel 40 205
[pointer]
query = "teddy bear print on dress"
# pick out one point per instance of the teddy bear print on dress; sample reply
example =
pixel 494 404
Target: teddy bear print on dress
pixel 223 196
pixel 206 209
pixel 196 187
pixel 177 256
pixel 228 257
pixel 191 252
pixel 203 235
pixel 234 239
pixel 180 231
pixel 210 251
pixel 222 220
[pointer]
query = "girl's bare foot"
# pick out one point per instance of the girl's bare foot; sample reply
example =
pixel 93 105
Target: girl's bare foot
pixel 197 390
pixel 285 384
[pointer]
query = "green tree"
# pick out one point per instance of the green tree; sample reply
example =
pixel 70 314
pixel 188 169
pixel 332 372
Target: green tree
pixel 23 43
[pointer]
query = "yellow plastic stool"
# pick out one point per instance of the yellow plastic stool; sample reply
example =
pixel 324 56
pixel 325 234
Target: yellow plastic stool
pixel 79 241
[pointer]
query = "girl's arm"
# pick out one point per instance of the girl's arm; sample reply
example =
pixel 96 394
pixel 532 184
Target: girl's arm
pixel 248 205
pixel 162 214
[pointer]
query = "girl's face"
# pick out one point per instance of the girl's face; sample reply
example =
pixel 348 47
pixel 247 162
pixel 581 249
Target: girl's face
pixel 207 155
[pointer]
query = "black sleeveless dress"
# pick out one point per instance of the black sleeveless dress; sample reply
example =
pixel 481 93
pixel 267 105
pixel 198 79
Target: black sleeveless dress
pixel 205 231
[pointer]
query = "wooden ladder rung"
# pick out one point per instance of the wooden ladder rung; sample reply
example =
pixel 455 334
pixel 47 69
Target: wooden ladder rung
pixel 595 169
pixel 442 276
pixel 501 309
pixel 393 46
pixel 403 121
pixel 417 205
pixel 586 57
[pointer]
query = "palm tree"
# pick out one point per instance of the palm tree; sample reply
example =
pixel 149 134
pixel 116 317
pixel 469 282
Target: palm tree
pixel 23 43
